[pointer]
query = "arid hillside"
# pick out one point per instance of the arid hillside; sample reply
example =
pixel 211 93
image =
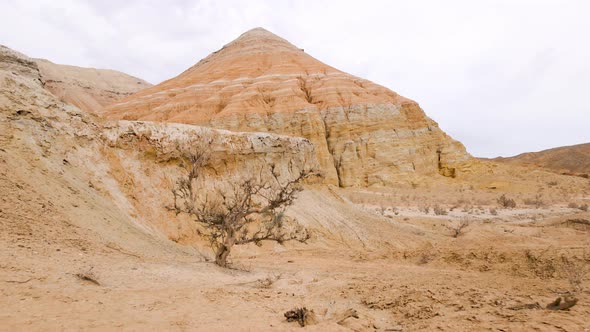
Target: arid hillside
pixel 90 239
pixel 573 159
pixel 364 134
pixel 87 88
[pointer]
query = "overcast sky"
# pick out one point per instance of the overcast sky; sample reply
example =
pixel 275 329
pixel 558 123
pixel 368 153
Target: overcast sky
pixel 503 77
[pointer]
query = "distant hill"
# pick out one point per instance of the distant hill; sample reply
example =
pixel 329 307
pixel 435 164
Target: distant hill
pixel 89 89
pixel 573 159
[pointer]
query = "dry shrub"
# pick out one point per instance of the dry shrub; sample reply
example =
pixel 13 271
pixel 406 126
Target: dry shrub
pixel 506 202
pixel 426 257
pixel 573 205
pixel 440 211
pixel 458 229
pixel 537 201
pixel 382 209
pixel 584 207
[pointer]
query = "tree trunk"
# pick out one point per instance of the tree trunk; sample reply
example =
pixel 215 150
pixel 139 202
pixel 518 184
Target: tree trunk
pixel 221 255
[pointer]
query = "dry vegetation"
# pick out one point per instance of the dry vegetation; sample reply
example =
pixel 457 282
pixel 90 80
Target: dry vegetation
pixel 459 228
pixel 238 211
pixel 506 202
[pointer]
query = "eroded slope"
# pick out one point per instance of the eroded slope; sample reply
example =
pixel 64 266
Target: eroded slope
pixel 87 88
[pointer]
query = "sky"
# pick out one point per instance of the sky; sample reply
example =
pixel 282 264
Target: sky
pixel 502 77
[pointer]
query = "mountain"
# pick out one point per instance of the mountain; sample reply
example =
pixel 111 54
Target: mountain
pixel 87 88
pixel 364 134
pixel 573 159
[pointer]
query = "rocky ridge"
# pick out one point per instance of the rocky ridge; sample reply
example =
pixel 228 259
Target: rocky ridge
pixel 87 88
pixel 364 134
pixel 573 159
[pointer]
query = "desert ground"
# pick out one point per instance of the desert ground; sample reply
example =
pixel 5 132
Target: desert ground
pixel 497 274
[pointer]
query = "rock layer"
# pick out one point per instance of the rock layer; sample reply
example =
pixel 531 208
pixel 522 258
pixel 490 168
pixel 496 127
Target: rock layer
pixel 364 134
pixel 87 88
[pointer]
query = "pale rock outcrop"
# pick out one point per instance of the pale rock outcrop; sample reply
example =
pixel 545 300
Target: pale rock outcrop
pixel 364 134
pixel 17 63
pixel 242 155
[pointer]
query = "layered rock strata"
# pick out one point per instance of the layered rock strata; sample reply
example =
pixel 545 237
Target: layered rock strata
pixel 364 134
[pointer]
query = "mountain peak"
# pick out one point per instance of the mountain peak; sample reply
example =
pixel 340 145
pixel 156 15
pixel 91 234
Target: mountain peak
pixel 255 52
pixel 261 40
pixel 258 32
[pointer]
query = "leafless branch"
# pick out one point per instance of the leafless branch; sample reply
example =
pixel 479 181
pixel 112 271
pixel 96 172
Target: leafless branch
pixel 251 211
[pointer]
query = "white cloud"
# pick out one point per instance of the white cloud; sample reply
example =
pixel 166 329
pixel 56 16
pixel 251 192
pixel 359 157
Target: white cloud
pixel 501 76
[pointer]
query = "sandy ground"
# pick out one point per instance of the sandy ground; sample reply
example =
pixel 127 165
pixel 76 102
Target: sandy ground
pixel 482 280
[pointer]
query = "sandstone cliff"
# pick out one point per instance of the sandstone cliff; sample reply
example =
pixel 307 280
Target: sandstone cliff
pixel 87 88
pixel 364 134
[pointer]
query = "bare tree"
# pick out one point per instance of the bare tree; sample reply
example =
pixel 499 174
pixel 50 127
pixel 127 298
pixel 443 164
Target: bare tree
pixel 252 211
pixel 458 229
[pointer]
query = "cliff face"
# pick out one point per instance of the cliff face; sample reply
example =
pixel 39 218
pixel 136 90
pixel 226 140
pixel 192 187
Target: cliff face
pixel 117 169
pixel 364 134
pixel 87 88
